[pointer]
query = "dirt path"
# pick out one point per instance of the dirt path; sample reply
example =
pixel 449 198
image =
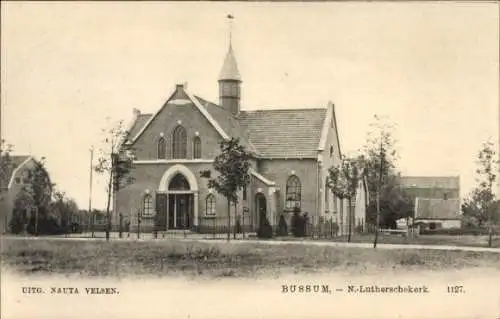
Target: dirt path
pixel 277 242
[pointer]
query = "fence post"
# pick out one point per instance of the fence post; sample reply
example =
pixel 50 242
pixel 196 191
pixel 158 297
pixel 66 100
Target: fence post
pixel 120 233
pixel 490 236
pixel 243 224
pixel 138 226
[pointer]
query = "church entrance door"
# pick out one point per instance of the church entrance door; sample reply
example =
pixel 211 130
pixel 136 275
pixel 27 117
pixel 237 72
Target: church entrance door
pixel 260 204
pixel 176 206
pixel 180 207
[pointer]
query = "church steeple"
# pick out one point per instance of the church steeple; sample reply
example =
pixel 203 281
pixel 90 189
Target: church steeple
pixel 230 79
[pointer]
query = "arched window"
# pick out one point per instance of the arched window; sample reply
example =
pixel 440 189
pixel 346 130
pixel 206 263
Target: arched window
pixel 179 141
pixel 179 183
pixel 161 148
pixel 293 189
pixel 148 206
pixel 210 205
pixel 245 192
pixel 196 147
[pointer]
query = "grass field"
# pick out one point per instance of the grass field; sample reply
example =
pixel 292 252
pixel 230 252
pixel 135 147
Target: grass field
pixel 463 240
pixel 129 258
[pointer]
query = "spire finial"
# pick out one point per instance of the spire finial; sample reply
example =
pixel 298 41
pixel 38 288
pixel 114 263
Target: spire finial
pixel 230 18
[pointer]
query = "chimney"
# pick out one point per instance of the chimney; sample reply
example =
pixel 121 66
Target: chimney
pixel 137 112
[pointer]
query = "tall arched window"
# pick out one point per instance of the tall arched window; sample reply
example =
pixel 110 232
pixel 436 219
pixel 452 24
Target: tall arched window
pixel 210 205
pixel 179 141
pixel 148 206
pixel 293 190
pixel 161 148
pixel 196 147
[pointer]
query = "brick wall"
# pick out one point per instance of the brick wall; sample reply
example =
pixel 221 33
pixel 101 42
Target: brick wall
pixel 279 170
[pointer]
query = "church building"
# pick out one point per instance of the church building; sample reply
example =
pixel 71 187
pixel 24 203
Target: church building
pixel 292 150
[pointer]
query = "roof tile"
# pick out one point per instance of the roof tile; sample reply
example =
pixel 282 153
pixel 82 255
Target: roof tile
pixel 446 182
pixel 288 133
pixel 434 208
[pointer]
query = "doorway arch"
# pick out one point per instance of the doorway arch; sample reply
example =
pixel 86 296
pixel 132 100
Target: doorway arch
pixel 177 198
pixel 172 172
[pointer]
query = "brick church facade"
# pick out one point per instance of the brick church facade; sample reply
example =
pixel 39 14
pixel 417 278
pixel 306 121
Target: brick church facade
pixel 291 149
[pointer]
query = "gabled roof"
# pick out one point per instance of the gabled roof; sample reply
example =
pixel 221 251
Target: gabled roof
pixel 263 179
pixel 436 208
pixel 138 124
pixel 330 122
pixel 279 133
pixel 285 133
pixel 229 123
pixel 15 162
pixel 229 69
pixel 444 182
pixel 181 96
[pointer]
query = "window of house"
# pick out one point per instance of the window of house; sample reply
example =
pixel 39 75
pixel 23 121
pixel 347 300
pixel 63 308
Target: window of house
pixel 331 150
pixel 179 141
pixel 161 148
pixel 18 180
pixel 196 147
pixel 445 196
pixel 210 205
pixel 244 192
pixel 148 206
pixel 293 190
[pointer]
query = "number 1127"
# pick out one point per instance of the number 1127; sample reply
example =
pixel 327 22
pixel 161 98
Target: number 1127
pixel 455 289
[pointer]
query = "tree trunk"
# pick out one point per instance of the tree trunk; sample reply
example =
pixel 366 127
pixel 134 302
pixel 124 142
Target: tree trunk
pixel 349 220
pixel 235 223
pixel 377 221
pixel 228 220
pixel 490 237
pixel 108 215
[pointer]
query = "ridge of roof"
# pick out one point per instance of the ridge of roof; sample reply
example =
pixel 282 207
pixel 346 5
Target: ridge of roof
pixel 262 178
pixel 334 115
pixel 285 109
pixel 444 181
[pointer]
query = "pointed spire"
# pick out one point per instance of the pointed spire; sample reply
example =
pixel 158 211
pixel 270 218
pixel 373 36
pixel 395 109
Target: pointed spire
pixel 229 69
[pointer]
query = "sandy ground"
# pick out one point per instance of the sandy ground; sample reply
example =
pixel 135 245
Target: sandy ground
pixel 149 238
pixel 179 297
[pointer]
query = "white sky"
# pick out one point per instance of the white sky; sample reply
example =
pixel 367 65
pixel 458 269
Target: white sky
pixel 431 67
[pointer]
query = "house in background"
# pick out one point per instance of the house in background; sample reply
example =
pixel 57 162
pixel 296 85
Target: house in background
pixel 14 180
pixel 435 213
pixel 292 150
pixel 437 200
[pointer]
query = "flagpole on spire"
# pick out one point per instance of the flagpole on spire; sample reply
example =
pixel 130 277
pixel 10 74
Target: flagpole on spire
pixel 230 17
